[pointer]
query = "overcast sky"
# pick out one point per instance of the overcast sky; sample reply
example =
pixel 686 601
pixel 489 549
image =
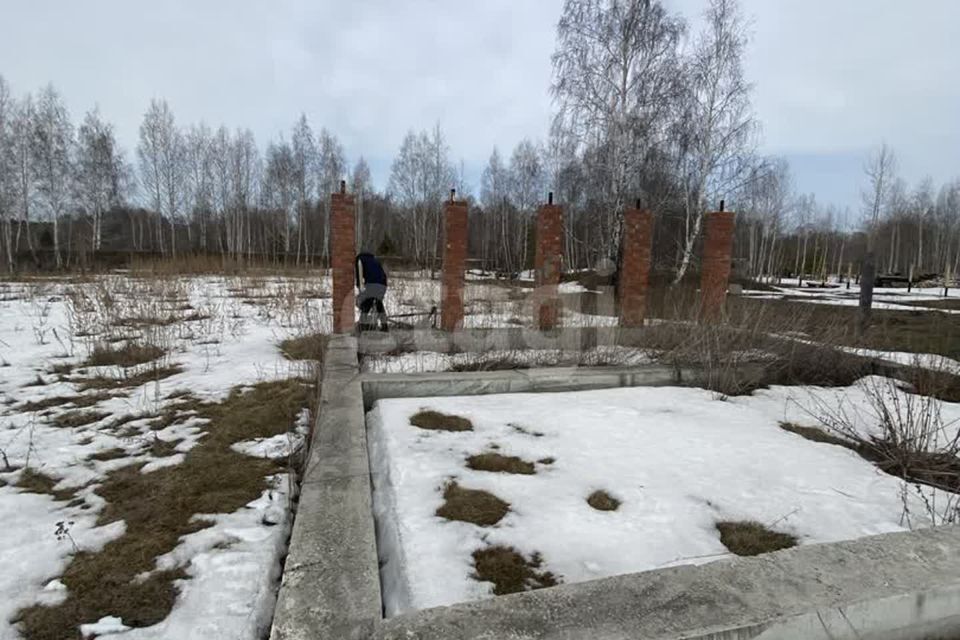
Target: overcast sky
pixel 833 77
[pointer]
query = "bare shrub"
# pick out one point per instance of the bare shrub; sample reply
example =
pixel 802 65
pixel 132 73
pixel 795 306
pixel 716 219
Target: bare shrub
pixel 904 434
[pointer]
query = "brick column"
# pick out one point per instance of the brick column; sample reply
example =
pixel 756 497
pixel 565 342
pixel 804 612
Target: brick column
pixel 547 264
pixel 717 252
pixel 635 269
pixel 342 256
pixel 454 261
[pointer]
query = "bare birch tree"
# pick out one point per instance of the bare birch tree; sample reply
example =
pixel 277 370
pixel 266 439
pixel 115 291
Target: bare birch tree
pixel 7 173
pixel 615 82
pixel 99 172
pixel 716 132
pixel 51 148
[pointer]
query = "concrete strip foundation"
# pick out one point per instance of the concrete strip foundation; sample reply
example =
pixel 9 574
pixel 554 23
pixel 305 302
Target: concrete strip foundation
pixel 903 586
pixel 377 386
pixel 331 580
pixel 480 340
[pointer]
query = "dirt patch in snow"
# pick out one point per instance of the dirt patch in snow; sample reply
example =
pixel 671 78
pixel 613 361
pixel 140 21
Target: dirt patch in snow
pixel 496 463
pixel 158 508
pixel 436 421
pixel 509 571
pixel 747 538
pixel 603 501
pixel 472 505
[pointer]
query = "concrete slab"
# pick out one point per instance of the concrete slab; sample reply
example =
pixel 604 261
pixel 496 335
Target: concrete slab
pixel 331 580
pixel 903 586
pixel 377 386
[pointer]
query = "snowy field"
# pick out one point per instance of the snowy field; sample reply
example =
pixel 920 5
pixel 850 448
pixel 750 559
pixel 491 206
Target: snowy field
pixel 73 420
pixel 678 459
pixel 886 298
pixel 75 424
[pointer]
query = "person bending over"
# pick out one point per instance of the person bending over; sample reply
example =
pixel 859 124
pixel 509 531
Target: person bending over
pixel 372 287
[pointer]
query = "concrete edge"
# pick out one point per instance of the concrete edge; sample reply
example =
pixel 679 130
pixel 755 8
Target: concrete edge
pixel 378 386
pixel 331 580
pixel 901 586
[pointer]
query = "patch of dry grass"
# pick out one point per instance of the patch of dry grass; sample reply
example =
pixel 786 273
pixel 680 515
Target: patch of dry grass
pixel 158 509
pixel 109 454
pixel 32 481
pixel 472 505
pixel 603 501
pixel 815 434
pixel 126 382
pixel 747 538
pixel 80 401
pixel 509 571
pixel 496 463
pixel 307 347
pixel 78 418
pixel 129 355
pixel 436 421
pixel 163 448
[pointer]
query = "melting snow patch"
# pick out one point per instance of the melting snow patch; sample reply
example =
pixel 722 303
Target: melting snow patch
pixel 103 627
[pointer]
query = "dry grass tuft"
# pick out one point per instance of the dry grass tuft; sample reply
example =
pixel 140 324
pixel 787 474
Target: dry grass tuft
pixel 496 463
pixel 80 401
pixel 158 509
pixel 436 421
pixel 128 355
pixel 747 538
pixel 62 369
pixel 308 347
pixel 152 374
pixel 73 419
pixel 163 448
pixel 603 501
pixel 472 505
pixel 509 571
pixel 815 434
pixel 109 454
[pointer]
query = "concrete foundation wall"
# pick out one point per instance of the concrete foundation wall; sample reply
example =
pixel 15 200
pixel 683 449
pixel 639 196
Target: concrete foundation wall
pixel 903 586
pixel 331 580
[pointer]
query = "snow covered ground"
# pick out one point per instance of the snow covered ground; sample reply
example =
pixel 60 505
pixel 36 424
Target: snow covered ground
pixel 227 336
pixel 679 459
pixel 889 298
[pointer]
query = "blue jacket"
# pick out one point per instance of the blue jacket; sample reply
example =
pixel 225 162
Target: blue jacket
pixel 373 272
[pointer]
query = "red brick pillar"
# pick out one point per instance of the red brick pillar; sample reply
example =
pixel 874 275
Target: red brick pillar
pixel 342 256
pixel 635 269
pixel 454 261
pixel 717 252
pixel 547 264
